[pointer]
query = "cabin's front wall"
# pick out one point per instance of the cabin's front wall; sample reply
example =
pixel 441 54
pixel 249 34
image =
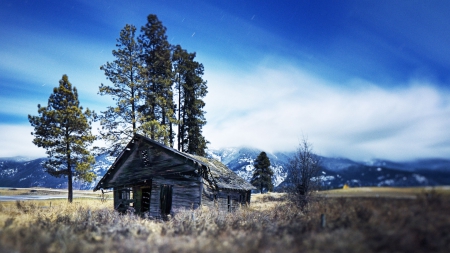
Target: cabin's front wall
pixel 186 194
pixel 123 199
pixel 146 198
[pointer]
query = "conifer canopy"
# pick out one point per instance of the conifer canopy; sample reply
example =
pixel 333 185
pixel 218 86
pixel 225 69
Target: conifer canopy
pixel 145 73
pixel 262 176
pixel 64 130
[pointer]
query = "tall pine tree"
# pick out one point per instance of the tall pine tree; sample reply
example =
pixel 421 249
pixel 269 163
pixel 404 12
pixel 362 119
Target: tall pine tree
pixel 64 130
pixel 262 176
pixel 121 121
pixel 178 57
pixel 191 89
pixel 158 110
pixel 144 75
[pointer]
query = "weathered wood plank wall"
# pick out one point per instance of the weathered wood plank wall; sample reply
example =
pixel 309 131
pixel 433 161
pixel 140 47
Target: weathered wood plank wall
pixel 225 200
pixel 185 194
pixel 144 161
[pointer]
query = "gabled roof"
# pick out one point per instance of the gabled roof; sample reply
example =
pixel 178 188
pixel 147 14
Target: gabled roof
pixel 143 159
pixel 223 176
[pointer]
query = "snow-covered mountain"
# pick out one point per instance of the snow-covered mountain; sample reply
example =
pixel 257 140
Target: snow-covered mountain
pixel 339 171
pixel 23 172
pixel 241 161
pixel 427 172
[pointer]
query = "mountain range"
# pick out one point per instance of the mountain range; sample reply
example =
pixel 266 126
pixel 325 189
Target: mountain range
pixel 336 172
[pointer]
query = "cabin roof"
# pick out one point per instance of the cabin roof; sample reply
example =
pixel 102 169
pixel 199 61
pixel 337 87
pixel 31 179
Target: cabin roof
pixel 223 176
pixel 174 163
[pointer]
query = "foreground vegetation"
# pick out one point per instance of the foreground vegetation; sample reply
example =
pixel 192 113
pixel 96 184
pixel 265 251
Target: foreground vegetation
pixel 270 224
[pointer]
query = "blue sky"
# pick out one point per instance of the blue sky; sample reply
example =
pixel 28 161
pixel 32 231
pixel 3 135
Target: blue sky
pixel 360 79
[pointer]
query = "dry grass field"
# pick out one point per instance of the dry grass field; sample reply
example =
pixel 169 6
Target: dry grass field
pixel 364 223
pixel 47 191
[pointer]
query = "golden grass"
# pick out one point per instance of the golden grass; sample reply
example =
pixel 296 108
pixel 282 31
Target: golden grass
pixel 267 201
pixel 392 192
pixel 270 224
pixel 45 191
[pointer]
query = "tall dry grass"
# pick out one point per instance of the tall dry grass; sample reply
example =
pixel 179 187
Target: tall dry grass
pixel 270 224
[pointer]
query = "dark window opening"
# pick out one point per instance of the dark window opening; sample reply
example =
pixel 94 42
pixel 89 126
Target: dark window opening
pixel 124 199
pixel 124 194
pixel 166 199
pixel 145 158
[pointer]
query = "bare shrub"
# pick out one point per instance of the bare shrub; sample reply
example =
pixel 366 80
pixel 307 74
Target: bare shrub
pixel 304 174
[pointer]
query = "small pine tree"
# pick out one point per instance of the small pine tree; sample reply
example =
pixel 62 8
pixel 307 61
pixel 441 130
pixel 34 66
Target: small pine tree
pixel 64 130
pixel 262 176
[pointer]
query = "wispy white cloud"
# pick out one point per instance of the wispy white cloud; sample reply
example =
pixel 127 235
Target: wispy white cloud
pixel 17 141
pixel 273 107
pixel 19 107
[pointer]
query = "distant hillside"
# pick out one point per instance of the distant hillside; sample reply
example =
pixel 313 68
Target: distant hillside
pixel 339 171
pixel 22 172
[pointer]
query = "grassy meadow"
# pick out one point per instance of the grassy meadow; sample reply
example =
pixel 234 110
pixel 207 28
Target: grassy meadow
pixel 375 220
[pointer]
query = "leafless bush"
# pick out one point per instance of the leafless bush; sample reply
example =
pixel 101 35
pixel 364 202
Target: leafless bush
pixel 304 174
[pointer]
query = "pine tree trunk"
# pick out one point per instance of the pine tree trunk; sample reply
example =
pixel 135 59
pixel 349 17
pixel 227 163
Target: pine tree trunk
pixel 179 111
pixel 69 169
pixel 70 197
pixel 133 105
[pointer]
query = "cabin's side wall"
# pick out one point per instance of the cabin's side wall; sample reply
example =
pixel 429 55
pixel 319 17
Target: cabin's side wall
pixel 208 195
pixel 228 200
pixel 225 200
pixel 186 194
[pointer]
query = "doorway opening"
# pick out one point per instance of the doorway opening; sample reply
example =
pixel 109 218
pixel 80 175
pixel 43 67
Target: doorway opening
pixel 166 199
pixel 145 201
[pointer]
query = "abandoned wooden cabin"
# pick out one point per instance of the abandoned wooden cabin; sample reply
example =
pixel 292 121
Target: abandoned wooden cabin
pixel 149 177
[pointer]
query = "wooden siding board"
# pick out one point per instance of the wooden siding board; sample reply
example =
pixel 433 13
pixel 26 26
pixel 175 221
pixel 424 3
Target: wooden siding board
pixel 137 195
pixel 154 200
pixel 185 195
pixel 219 199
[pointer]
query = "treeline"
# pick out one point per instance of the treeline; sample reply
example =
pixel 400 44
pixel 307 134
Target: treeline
pixel 158 91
